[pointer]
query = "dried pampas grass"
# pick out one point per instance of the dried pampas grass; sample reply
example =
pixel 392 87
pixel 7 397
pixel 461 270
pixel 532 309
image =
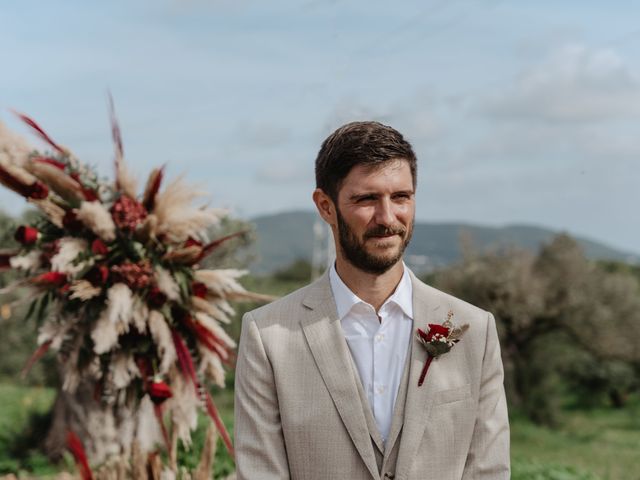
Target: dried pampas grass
pixel 161 334
pixel 68 250
pixel 114 319
pixel 98 219
pixel 178 218
pixel 13 148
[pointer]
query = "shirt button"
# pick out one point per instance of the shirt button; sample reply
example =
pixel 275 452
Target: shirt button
pixel 381 389
pixel 379 337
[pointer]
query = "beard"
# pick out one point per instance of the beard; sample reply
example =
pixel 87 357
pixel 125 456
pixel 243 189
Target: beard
pixel 355 250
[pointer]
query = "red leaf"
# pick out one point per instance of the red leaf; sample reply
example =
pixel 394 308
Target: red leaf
pixel 74 445
pixel 53 162
pixel 117 137
pixel 215 416
pixel 152 189
pixel 36 190
pixel 37 355
pixel 40 132
pixel 157 408
pixel 207 337
pixel 184 357
pixel 207 249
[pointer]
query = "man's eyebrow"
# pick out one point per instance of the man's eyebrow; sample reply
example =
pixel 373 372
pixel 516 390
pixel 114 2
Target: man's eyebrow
pixel 358 196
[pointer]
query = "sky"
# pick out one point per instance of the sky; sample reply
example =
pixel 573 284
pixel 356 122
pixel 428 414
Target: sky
pixel 519 112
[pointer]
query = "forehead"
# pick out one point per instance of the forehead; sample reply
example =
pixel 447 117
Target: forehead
pixel 393 175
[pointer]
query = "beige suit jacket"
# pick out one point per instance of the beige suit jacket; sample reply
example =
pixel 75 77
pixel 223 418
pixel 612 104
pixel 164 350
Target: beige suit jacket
pixel 300 410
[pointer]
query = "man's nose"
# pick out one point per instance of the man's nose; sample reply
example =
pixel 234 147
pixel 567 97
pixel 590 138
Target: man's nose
pixel 384 212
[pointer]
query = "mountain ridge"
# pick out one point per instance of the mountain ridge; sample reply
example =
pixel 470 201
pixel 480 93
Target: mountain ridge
pixel 287 236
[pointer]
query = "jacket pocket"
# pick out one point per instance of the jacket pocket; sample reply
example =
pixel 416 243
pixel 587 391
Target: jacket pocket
pixel 452 395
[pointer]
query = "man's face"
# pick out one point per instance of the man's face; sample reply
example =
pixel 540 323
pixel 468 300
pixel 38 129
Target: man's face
pixel 375 213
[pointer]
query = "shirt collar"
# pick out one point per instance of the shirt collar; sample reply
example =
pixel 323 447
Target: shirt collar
pixel 345 299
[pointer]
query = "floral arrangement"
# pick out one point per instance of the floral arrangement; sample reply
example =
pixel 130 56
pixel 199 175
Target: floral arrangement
pixel 117 282
pixel 438 340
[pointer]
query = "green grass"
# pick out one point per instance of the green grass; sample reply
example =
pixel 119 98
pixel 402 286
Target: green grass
pixel 604 442
pixel 591 445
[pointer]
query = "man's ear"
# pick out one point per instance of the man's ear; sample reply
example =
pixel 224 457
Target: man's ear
pixel 325 206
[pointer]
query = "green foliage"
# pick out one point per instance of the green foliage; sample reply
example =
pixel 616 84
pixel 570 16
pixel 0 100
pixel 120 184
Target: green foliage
pixel 553 311
pixel 24 419
pixel 522 470
pixel 298 271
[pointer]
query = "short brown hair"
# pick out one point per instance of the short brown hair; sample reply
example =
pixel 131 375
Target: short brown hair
pixel 359 143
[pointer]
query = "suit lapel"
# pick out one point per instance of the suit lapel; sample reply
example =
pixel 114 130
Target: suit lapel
pixel 326 341
pixel 398 409
pixel 419 400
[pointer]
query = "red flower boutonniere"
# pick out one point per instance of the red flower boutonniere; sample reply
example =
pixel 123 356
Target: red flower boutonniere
pixel 439 339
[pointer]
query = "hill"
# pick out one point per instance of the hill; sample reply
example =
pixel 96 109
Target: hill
pixel 285 237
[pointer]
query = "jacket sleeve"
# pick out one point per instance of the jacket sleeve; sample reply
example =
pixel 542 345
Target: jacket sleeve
pixel 259 441
pixel 488 457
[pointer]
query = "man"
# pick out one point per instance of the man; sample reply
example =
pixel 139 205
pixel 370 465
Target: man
pixel 327 379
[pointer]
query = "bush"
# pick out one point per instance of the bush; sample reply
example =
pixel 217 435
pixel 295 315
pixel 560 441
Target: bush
pixel 525 470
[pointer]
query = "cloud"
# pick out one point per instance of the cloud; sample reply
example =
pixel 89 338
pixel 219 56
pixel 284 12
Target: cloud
pixel 574 84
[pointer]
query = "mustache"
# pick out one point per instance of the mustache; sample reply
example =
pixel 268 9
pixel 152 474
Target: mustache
pixel 383 230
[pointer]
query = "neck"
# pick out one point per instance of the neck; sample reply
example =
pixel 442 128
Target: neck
pixel 373 288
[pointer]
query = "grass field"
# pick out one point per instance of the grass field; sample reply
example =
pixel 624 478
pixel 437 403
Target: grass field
pixel 590 445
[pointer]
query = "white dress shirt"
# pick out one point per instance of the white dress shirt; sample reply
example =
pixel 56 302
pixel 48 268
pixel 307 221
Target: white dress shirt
pixel 379 342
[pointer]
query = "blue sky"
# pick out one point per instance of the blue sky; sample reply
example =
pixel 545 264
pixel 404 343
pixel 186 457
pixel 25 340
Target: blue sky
pixel 520 112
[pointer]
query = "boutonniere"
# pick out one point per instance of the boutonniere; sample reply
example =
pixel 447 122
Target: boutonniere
pixel 439 339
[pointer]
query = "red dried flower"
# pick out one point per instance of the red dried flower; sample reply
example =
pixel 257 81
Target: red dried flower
pixel 50 279
pixel 98 247
pixel 98 275
pixel 199 289
pixel 155 298
pixel 436 329
pixel 159 391
pixel 27 235
pixel 136 275
pixel 71 222
pixel 128 213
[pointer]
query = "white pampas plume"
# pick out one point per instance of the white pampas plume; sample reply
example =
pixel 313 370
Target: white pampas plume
pixel 211 366
pixel 30 261
pixel 98 219
pixel 127 182
pixel 211 309
pixel 221 282
pixel 140 314
pixel 53 331
pixel 114 319
pixel 161 334
pixel 68 250
pixel 83 290
pixel 71 380
pixel 57 180
pixel 167 284
pixel 148 433
pixel 183 407
pixel 215 328
pixel 54 212
pixel 178 218
pixel 123 369
pixel 13 148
